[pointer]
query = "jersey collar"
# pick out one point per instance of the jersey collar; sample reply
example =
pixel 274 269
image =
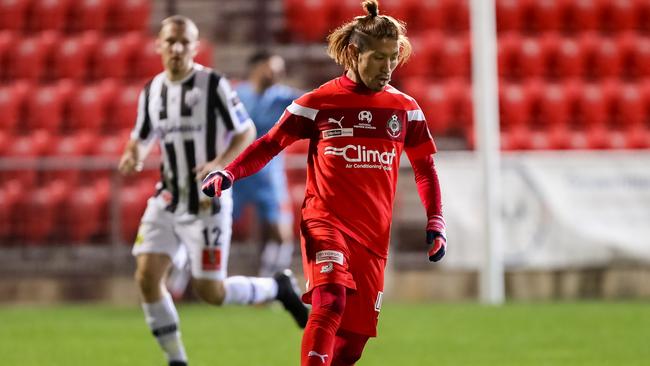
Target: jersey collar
pixel 359 88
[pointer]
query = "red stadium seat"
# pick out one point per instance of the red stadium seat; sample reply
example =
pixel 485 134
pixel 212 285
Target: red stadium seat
pixel 308 20
pixel 42 211
pixel 639 53
pixel 618 15
pixel 427 56
pixel 48 15
pixel 133 201
pixel 13 14
pixel 205 53
pixel 566 57
pixel 456 57
pixel 88 15
pixel 11 102
pixel 600 137
pixel 88 108
pixel 45 108
pixel 110 148
pixel 555 106
pixel 27 59
pixel 7 40
pixel 456 15
pixel 547 15
pixel 148 60
pixel 70 146
pixel 426 15
pixel 593 106
pixel 583 15
pixel 643 14
pixel 630 108
pixel 521 58
pixel 398 9
pixel 637 137
pixel 131 15
pixel 559 138
pixel 437 108
pixel 511 14
pixel 532 59
pixel 124 108
pixel 11 194
pixel 515 105
pixel 114 54
pixel 83 213
pixel 72 58
pixel 606 60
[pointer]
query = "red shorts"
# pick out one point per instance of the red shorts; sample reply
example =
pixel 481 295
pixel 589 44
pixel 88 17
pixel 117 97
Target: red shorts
pixel 329 256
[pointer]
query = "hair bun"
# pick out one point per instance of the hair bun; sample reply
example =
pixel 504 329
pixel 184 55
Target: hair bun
pixel 372 7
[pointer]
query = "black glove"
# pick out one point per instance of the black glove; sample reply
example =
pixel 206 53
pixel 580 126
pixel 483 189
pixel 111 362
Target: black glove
pixel 217 181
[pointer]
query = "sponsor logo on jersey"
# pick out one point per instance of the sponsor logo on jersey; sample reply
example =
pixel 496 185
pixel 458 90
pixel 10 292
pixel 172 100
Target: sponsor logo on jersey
pixel 394 126
pixel 338 122
pixel 338 132
pixel 365 117
pixel 362 157
pixel 329 256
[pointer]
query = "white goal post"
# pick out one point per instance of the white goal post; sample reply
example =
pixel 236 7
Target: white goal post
pixel 486 121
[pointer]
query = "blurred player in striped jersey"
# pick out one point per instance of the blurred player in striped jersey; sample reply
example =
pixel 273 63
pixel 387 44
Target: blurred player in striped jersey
pixel 201 125
pixel 357 125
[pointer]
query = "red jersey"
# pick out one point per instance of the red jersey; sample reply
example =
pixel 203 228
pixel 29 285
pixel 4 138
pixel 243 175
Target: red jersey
pixel 356 139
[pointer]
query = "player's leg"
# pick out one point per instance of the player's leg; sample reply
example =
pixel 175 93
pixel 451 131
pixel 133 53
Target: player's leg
pixel 274 211
pixel 208 241
pixel 154 247
pixel 362 306
pixel 326 266
pixel 328 305
pixel 348 348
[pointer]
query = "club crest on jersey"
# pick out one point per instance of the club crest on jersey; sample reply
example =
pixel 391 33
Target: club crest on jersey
pixel 394 126
pixel 327 268
pixel 192 97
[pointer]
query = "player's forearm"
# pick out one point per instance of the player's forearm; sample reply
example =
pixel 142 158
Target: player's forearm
pixel 254 158
pixel 237 145
pixel 426 179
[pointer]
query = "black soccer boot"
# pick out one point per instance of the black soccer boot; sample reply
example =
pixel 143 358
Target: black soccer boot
pixel 289 296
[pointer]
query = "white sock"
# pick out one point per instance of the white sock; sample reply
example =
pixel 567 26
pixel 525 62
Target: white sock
pixel 163 321
pixel 249 290
pixel 285 253
pixel 268 259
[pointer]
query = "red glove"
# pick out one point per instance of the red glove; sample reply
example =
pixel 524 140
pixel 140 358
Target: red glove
pixel 217 181
pixel 436 238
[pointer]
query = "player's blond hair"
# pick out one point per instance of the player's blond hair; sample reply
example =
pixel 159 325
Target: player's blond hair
pixel 359 30
pixel 182 21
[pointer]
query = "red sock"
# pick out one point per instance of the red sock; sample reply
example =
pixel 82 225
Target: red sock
pixel 348 348
pixel 328 304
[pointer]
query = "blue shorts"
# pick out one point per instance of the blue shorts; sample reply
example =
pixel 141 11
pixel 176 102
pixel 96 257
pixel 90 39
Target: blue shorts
pixel 267 191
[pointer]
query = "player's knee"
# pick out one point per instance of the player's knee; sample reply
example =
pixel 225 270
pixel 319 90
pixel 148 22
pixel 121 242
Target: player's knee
pixel 210 291
pixel 348 349
pixel 148 283
pixel 330 297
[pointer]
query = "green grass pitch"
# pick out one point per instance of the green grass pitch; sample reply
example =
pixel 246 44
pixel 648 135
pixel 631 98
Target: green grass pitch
pixel 593 334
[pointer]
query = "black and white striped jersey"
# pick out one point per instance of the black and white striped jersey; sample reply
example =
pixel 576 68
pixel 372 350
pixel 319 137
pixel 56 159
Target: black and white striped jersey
pixel 194 120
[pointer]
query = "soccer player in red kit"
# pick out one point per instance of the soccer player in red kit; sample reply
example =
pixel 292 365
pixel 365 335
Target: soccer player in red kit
pixel 358 125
